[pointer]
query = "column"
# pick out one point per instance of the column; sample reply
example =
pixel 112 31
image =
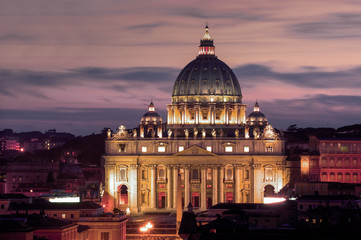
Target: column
pixel 237 115
pixel 226 116
pixel 186 186
pixel 175 185
pixel 215 185
pixel 221 184
pixel 169 115
pixel 133 188
pixel 169 187
pixel 237 184
pixel 152 186
pixel 203 188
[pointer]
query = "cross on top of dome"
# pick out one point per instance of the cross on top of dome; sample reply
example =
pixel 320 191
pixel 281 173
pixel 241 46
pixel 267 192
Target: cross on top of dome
pixel 206 34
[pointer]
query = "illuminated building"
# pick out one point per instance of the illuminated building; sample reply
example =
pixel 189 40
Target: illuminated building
pixel 332 160
pixel 221 155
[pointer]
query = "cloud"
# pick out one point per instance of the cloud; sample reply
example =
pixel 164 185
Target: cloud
pixel 331 26
pixel 313 111
pixel 306 77
pixel 146 27
pixel 14 82
pixel 15 38
pixel 75 120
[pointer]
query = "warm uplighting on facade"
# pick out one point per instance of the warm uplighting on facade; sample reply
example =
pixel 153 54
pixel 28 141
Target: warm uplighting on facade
pixel 246 148
pixel 229 149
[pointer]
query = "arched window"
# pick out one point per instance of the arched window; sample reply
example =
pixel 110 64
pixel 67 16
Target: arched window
pixel 195 174
pixel 339 177
pixel 354 163
pixel 339 163
pixel 332 162
pixel 355 177
pixel 269 191
pixel 347 163
pixel 209 174
pixel 229 174
pixel 347 177
pixel 332 177
pixel 324 177
pixel 324 162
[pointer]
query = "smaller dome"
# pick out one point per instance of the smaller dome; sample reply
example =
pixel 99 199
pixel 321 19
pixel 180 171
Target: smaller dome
pixel 256 117
pixel 151 117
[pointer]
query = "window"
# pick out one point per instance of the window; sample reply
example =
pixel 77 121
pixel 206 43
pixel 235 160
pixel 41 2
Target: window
pixel 180 148
pixel 144 174
pixel 161 173
pixel 209 148
pixel 229 149
pixel 72 215
pixel 161 149
pixel 104 236
pixel 229 174
pixel 195 174
pixel 2 206
pixel 246 149
pixel 144 149
pixel 246 174
pixel 122 147
pixel 55 215
pixel 63 215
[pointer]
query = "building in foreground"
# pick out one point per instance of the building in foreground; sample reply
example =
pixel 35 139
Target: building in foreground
pixel 220 154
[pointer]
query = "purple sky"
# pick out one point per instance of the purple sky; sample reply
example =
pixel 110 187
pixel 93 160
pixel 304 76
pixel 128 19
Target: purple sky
pixel 80 66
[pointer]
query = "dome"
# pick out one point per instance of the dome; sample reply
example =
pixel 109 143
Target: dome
pixel 256 117
pixel 151 117
pixel 207 76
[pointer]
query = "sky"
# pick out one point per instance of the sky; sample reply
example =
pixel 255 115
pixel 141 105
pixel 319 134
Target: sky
pixel 81 66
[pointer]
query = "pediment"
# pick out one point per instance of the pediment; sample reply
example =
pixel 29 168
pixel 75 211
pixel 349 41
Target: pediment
pixel 195 151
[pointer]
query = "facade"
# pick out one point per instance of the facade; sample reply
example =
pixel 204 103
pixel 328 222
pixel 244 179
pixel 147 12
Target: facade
pixel 220 154
pixel 332 160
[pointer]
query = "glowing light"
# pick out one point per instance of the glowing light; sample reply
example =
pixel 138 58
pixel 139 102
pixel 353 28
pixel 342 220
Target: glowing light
pixel 246 148
pixel 268 200
pixel 149 225
pixel 103 205
pixel 209 148
pixel 143 229
pixel 161 149
pixel 144 149
pixel 127 211
pixel 64 199
pixel 21 149
pixel 229 149
pixel 180 148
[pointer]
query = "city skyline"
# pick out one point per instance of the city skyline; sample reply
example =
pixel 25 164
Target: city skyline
pixel 81 66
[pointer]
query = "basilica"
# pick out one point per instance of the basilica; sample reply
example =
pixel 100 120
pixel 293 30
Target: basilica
pixel 220 153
